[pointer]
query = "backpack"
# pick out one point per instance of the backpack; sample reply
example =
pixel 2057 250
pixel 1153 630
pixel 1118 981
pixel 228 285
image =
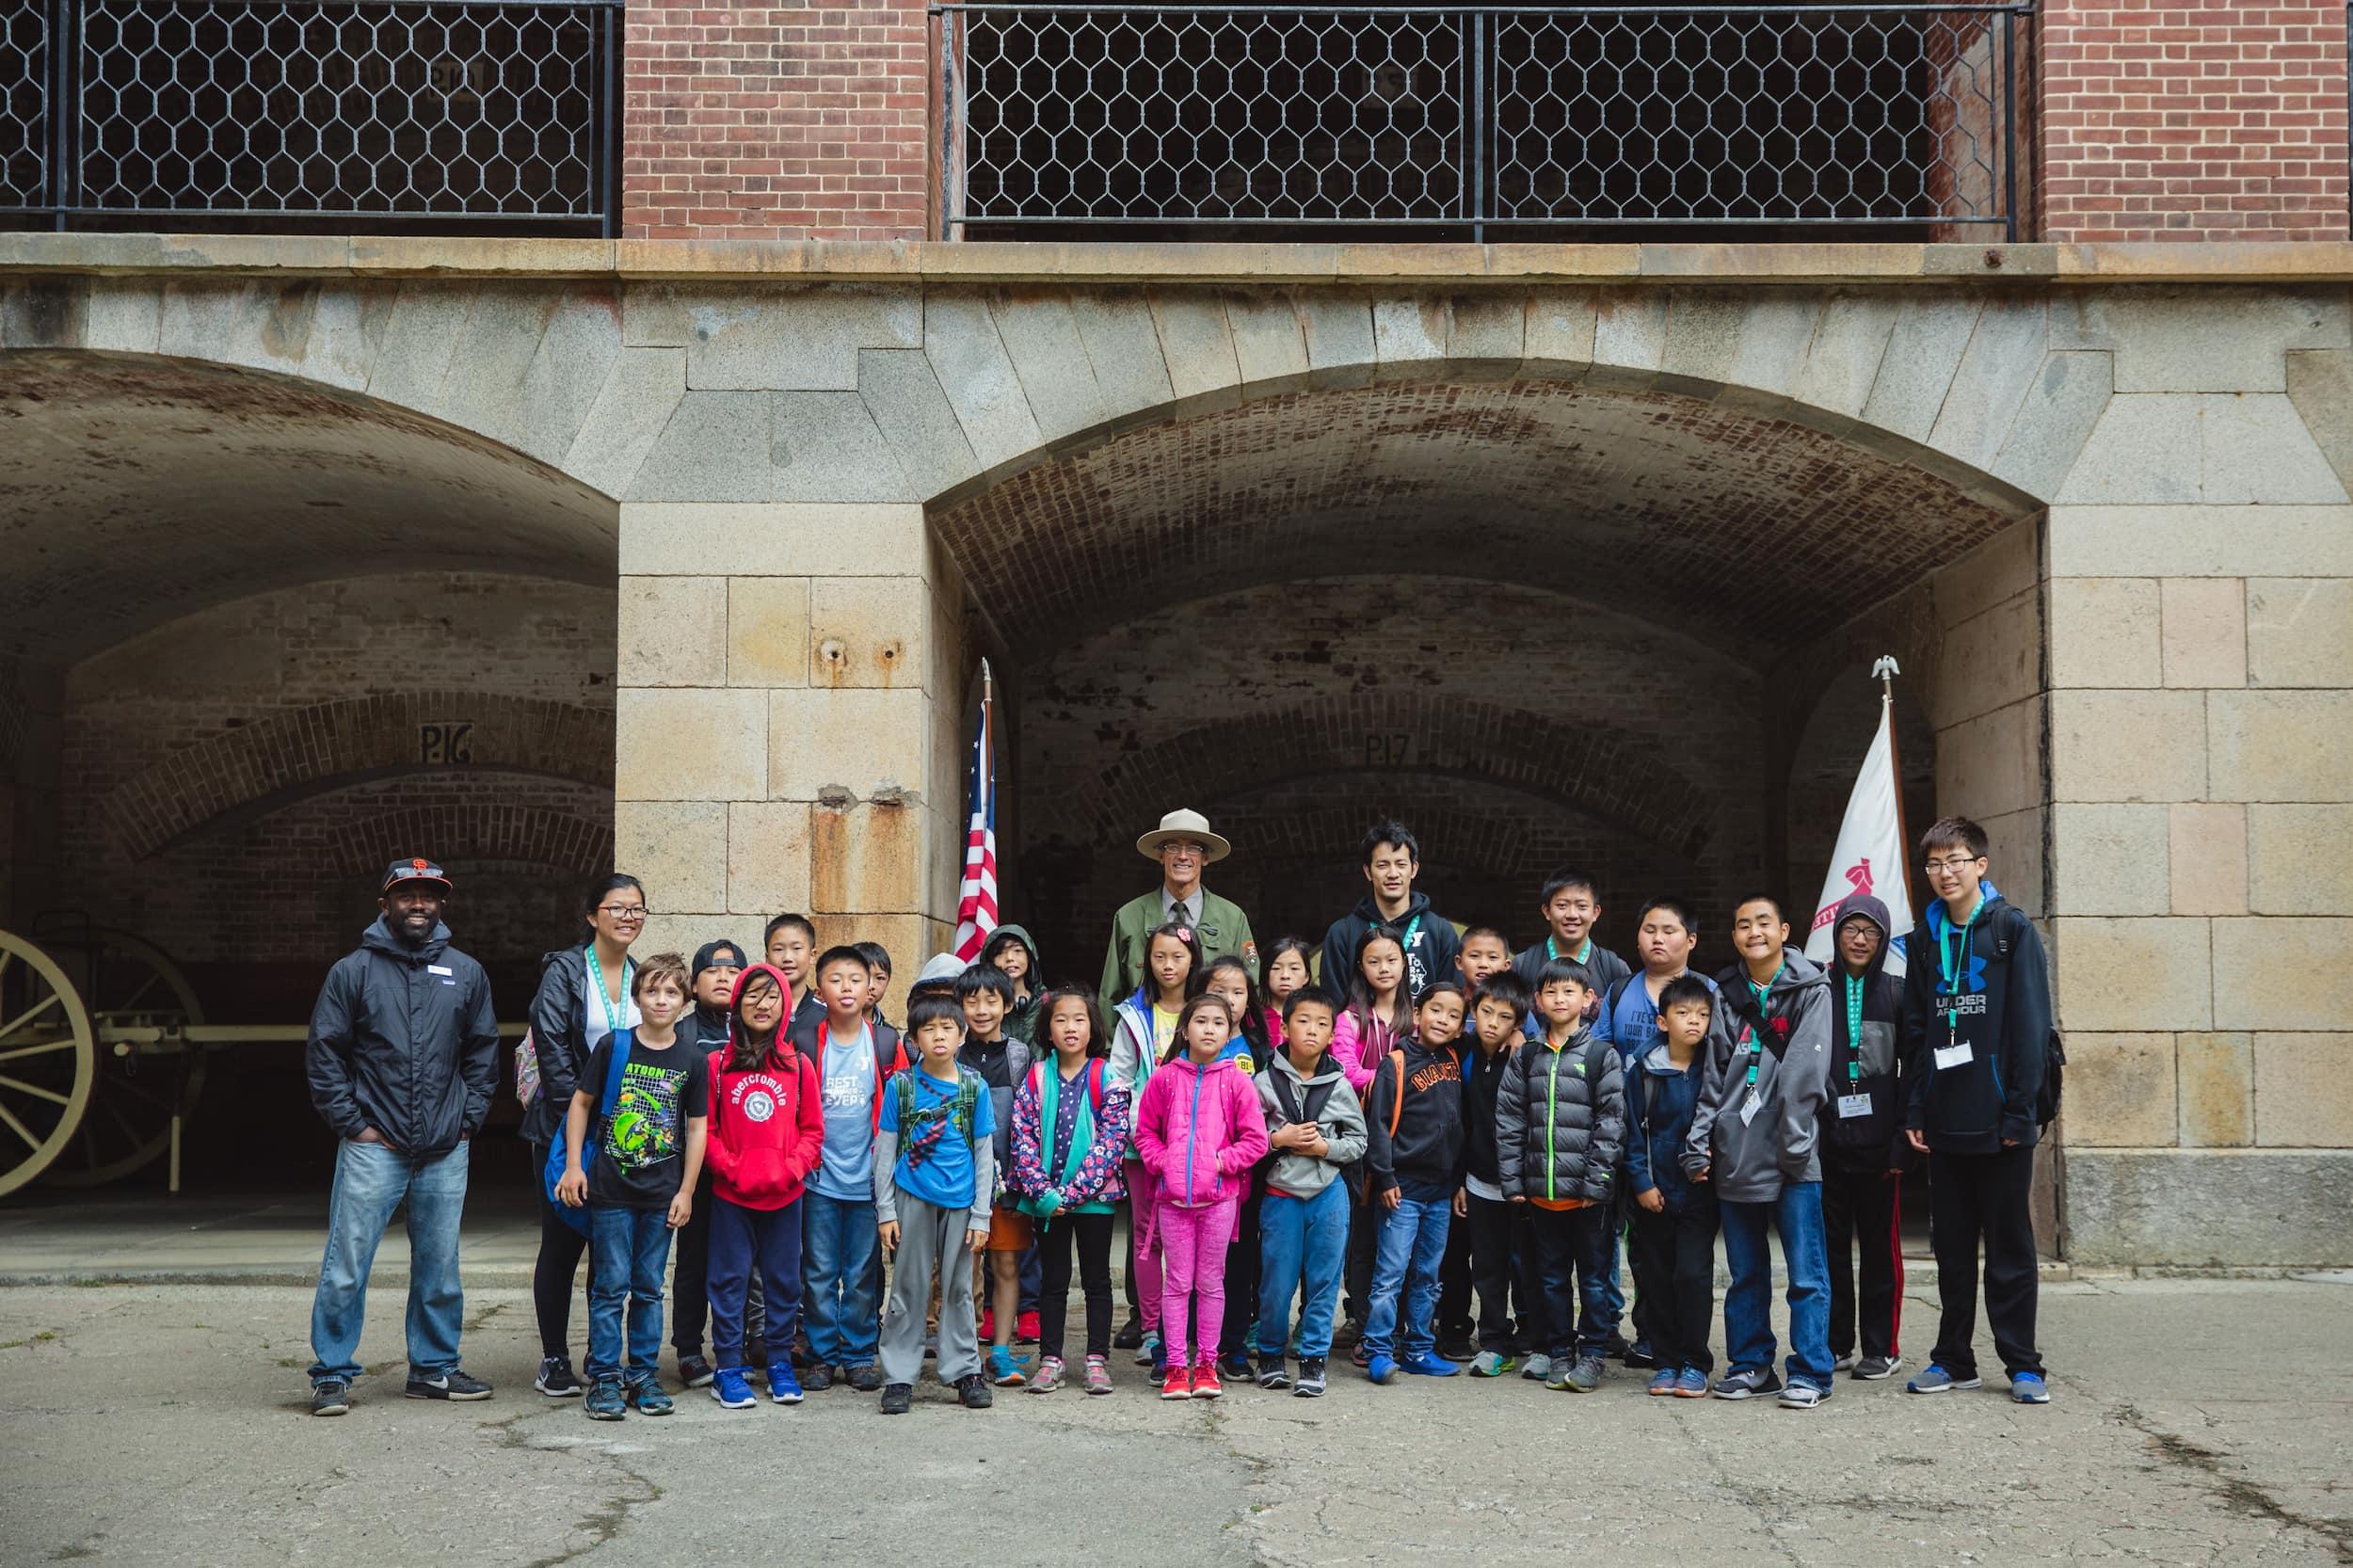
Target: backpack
pixel 1397 1106
pixel 616 1069
pixel 1095 1074
pixel 527 1069
pixel 1319 1096
pixel 2046 1100
pixel 1095 1068
pixel 967 1096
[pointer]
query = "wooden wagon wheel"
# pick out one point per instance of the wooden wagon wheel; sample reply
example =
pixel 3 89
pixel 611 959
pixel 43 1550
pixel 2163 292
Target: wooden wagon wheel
pixel 126 981
pixel 48 1059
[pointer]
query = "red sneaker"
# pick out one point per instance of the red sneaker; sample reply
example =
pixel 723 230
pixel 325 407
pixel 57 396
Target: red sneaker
pixel 1178 1385
pixel 1025 1329
pixel 989 1325
pixel 1204 1384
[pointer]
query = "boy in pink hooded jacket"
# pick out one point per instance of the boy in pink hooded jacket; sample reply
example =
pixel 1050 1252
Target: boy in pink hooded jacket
pixel 1199 1130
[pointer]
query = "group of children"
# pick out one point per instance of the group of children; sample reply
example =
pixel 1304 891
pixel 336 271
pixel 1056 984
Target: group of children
pixel 1364 1144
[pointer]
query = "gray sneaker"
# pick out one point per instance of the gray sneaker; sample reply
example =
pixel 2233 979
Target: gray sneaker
pixel 331 1397
pixel 1537 1369
pixel 1873 1368
pixel 1802 1396
pixel 1749 1383
pixel 1586 1375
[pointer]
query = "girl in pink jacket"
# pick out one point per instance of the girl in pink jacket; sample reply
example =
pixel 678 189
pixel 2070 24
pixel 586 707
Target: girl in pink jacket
pixel 1199 1129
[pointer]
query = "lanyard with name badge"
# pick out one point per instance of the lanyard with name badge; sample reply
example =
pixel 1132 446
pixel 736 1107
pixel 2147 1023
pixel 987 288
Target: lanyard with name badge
pixel 1854 1102
pixel 611 1016
pixel 1756 1047
pixel 1953 958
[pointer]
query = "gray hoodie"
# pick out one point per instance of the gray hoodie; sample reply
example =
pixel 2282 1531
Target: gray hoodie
pixel 1749 1158
pixel 1342 1119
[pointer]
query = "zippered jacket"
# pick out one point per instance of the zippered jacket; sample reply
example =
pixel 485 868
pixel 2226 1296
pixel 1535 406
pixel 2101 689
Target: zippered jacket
pixel 1749 1154
pixel 1198 1131
pixel 2002 1001
pixel 1561 1121
pixel 1337 1113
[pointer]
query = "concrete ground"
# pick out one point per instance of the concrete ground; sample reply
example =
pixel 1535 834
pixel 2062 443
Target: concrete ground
pixel 2196 1421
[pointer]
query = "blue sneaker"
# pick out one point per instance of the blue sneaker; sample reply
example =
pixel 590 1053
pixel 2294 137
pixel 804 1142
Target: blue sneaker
pixel 732 1389
pixel 1690 1383
pixel 1933 1378
pixel 1662 1387
pixel 649 1397
pixel 783 1387
pixel 605 1401
pixel 2029 1389
pixel 1430 1364
pixel 1004 1368
pixel 1381 1367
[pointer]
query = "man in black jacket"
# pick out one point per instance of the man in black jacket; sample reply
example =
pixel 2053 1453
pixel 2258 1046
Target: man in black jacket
pixel 1433 949
pixel 401 1059
pixel 1977 1036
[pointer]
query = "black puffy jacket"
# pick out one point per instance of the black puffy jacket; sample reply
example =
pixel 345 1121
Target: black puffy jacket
pixel 403 1040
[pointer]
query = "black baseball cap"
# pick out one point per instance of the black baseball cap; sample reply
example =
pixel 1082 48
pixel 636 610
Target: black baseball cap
pixel 416 869
pixel 713 955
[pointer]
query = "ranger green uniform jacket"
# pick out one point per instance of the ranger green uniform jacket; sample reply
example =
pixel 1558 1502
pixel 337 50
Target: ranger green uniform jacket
pixel 1222 929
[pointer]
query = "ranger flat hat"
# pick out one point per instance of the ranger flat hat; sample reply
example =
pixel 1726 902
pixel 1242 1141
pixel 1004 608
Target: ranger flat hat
pixel 1183 824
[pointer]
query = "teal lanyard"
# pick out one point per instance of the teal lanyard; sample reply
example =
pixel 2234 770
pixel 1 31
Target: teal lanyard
pixel 1954 959
pixel 613 1016
pixel 1757 1040
pixel 1552 950
pixel 1855 1028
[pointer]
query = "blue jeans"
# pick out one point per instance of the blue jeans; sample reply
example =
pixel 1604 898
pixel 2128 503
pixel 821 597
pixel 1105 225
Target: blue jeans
pixel 629 1248
pixel 1301 1242
pixel 1796 1214
pixel 372 1180
pixel 762 1241
pixel 838 1304
pixel 1411 1246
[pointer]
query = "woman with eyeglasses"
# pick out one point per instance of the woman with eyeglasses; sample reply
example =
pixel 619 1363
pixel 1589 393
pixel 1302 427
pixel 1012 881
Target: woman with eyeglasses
pixel 584 995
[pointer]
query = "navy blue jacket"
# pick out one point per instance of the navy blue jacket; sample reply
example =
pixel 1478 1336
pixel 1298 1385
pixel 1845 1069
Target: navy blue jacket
pixel 1660 1099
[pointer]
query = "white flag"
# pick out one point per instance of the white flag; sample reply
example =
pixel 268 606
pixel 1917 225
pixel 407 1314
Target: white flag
pixel 1870 854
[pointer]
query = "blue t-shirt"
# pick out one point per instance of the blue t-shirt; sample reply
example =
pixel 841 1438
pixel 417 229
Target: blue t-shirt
pixel 934 1160
pixel 1632 1023
pixel 845 1168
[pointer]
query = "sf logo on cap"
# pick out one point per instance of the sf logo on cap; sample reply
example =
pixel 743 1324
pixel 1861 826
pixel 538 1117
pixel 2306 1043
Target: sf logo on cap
pixel 420 867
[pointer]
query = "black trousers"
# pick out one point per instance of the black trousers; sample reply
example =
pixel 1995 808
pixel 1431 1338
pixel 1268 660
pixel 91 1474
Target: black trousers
pixel 1500 1259
pixel 552 1273
pixel 1673 1259
pixel 1363 1241
pixel 1862 1217
pixel 1241 1278
pixel 1988 1197
pixel 1455 1281
pixel 1090 1235
pixel 1573 1249
pixel 690 1287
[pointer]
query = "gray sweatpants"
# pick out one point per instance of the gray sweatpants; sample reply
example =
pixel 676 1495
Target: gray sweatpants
pixel 931 1243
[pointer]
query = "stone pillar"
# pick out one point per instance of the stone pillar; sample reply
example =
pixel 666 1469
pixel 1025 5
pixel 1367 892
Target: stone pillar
pixel 2202 777
pixel 791 693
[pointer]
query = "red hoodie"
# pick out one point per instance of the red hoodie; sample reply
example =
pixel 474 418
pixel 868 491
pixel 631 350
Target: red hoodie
pixel 768 1125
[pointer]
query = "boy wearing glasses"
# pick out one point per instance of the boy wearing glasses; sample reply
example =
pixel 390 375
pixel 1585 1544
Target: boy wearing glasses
pixel 1977 1037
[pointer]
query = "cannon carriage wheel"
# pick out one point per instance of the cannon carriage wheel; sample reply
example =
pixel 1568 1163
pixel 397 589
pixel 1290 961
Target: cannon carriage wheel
pixel 48 1061
pixel 128 981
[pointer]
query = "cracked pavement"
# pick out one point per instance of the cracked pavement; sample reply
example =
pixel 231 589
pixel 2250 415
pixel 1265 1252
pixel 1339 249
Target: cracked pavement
pixel 2196 1421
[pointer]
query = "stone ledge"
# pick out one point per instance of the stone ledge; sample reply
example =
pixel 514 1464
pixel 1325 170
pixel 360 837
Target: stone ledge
pixel 2209 1209
pixel 994 262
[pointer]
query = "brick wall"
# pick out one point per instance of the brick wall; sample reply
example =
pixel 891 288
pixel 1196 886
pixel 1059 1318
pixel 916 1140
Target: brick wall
pixel 2224 120
pixel 776 122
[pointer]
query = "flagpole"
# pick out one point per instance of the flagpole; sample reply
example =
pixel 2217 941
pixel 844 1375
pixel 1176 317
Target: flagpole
pixel 1888 669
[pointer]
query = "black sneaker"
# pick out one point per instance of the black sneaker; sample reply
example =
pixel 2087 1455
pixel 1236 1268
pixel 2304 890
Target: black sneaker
pixel 1750 1382
pixel 1458 1345
pixel 694 1373
pixel 451 1384
pixel 1272 1373
pixel 332 1397
pixel 896 1399
pixel 864 1379
pixel 1873 1368
pixel 1615 1345
pixel 1236 1367
pixel 557 1378
pixel 1639 1355
pixel 1310 1383
pixel 973 1390
pixel 816 1378
pixel 1131 1335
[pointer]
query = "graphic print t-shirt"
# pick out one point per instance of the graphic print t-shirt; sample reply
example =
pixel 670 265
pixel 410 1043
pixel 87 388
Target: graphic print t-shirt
pixel 643 1150
pixel 935 1159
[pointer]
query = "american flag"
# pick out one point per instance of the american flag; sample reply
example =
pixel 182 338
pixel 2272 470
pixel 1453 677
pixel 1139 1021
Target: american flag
pixel 976 902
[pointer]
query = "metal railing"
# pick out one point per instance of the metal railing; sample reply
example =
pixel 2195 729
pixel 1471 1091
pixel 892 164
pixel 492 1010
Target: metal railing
pixel 374 114
pixel 1477 116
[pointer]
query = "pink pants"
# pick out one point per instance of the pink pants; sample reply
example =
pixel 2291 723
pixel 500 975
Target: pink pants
pixel 1144 1243
pixel 1193 1245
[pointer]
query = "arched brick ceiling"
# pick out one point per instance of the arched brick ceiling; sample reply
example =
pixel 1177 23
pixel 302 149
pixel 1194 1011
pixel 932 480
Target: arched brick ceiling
pixel 1749 532
pixel 136 489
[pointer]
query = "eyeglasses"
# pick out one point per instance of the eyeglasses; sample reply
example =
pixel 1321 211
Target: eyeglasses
pixel 622 911
pixel 1954 863
pixel 1176 848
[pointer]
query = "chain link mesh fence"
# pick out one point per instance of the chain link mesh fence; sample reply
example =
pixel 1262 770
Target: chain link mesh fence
pixel 1544 116
pixel 380 114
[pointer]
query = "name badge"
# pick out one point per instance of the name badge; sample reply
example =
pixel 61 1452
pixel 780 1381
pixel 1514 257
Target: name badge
pixel 1851 1106
pixel 439 968
pixel 1748 1108
pixel 1955 1055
